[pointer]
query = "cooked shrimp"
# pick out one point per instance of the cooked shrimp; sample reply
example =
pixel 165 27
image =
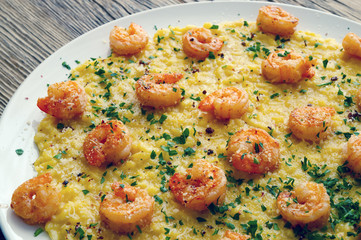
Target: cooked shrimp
pixel 353 153
pixel 65 100
pixel 230 235
pixel 352 44
pixel 129 41
pixel 202 185
pixel 109 142
pixel 253 151
pixel 126 209
pixel 286 67
pixel 308 204
pixel 36 200
pixel 199 42
pixel 226 103
pixel 311 123
pixel 159 90
pixel 275 20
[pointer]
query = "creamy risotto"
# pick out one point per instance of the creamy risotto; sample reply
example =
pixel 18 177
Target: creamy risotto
pixel 168 140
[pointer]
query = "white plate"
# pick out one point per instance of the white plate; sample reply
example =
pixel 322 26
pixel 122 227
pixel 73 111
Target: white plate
pixel 21 117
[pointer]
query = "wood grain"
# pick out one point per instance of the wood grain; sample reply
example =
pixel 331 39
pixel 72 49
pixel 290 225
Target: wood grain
pixel 32 30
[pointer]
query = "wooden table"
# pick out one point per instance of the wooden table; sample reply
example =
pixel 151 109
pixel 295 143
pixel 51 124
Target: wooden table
pixel 32 30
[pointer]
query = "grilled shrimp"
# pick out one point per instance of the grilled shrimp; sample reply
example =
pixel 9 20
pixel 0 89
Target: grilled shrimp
pixel 311 123
pixel 275 20
pixel 129 41
pixel 126 209
pixel 253 150
pixel 65 100
pixel 202 185
pixel 199 42
pixel 352 44
pixel 159 90
pixel 230 235
pixel 36 200
pixel 286 67
pixel 308 204
pixel 226 103
pixel 109 142
pixel 353 153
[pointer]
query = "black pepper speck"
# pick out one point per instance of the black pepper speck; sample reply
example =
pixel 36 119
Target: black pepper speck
pixel 209 130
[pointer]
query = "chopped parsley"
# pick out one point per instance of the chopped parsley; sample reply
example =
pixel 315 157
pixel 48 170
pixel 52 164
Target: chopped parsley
pixel 85 192
pixel 19 151
pixel 348 211
pixel 182 138
pixel 38 232
pixel 64 64
pixel 211 55
pixel 325 62
pixel 274 95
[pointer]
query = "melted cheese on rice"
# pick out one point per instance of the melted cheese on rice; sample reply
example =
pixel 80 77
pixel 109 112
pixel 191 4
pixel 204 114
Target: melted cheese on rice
pixel 250 204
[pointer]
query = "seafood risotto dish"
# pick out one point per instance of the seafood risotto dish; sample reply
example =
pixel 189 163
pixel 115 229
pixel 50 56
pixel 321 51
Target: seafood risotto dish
pixel 235 130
